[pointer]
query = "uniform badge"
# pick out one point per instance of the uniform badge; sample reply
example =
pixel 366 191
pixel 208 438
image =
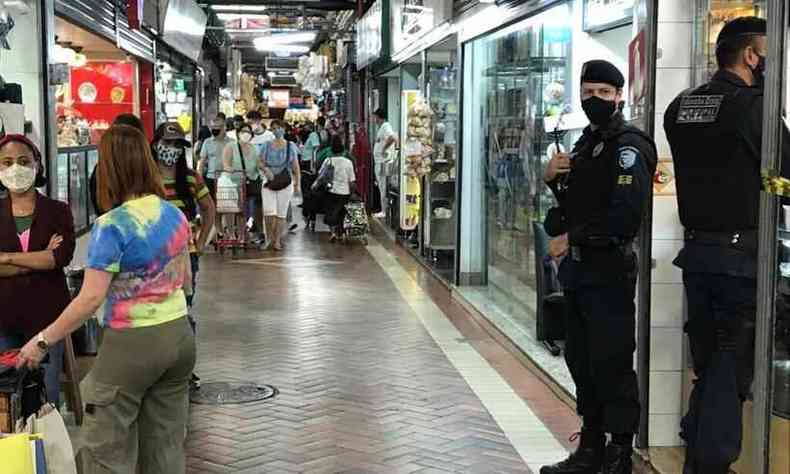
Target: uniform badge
pixel 598 149
pixel 628 156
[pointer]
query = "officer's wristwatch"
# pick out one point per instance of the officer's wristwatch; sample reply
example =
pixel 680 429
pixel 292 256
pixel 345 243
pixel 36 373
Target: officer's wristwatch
pixel 42 343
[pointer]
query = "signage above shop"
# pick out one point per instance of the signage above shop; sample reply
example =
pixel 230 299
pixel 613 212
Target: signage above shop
pixel 602 15
pixel 184 26
pixel 412 19
pixel 370 35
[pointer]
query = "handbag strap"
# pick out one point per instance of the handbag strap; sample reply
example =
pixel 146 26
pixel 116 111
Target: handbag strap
pixel 241 157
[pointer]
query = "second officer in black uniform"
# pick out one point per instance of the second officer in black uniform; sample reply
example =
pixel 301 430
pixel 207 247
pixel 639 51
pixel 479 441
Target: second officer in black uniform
pixel 715 133
pixel 603 188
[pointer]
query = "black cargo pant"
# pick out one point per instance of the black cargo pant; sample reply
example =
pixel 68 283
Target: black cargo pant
pixel 599 350
pixel 720 328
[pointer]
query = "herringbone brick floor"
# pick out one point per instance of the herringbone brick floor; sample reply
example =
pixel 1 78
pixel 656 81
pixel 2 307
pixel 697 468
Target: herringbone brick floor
pixel 363 386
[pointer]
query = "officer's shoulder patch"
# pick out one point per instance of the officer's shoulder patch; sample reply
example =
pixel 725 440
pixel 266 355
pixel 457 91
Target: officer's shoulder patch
pixel 627 156
pixel 699 108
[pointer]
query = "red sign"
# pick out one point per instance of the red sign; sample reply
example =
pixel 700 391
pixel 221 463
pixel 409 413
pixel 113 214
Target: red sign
pixel 102 90
pixel 637 68
pixel 134 11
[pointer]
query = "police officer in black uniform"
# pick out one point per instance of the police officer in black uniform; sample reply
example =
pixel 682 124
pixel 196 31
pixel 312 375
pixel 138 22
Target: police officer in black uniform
pixel 715 134
pixel 603 188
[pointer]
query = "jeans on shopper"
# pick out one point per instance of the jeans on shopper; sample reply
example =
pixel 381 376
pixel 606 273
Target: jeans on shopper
pixel 52 368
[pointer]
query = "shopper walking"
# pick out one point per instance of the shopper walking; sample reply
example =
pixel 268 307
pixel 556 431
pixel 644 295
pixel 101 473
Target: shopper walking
pixel 204 133
pixel 212 152
pixel 36 243
pixel 312 143
pixel 386 140
pixel 241 160
pixel 602 197
pixel 715 133
pixel 260 134
pixel 138 262
pixel 339 192
pixel 185 189
pixel 280 167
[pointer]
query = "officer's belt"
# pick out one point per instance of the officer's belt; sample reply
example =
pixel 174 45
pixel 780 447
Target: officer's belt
pixel 721 239
pixel 578 252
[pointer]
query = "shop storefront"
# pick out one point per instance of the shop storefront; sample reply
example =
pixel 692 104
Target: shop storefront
pixel 104 69
pixel 520 101
pixel 177 89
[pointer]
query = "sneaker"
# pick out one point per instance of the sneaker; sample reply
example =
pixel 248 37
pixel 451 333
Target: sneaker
pixel 194 382
pixel 380 215
pixel 292 229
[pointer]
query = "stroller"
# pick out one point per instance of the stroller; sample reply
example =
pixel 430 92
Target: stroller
pixel 312 201
pixel 355 222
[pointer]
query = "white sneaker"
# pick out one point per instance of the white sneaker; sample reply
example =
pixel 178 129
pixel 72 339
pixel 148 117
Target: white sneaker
pixel 380 215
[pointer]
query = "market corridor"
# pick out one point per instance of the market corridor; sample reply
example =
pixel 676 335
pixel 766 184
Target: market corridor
pixel 373 377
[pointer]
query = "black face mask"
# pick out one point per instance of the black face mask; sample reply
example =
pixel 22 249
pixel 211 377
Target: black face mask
pixel 758 72
pixel 215 131
pixel 598 110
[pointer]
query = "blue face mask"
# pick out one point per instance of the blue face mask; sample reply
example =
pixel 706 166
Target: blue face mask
pixel 279 132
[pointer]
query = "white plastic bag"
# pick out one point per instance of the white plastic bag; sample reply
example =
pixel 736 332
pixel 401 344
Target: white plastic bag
pixel 227 195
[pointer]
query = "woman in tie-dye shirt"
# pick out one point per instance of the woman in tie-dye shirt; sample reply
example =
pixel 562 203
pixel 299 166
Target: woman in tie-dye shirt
pixel 138 263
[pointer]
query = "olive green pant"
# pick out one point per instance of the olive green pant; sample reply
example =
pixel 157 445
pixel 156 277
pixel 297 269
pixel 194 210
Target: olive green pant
pixel 137 400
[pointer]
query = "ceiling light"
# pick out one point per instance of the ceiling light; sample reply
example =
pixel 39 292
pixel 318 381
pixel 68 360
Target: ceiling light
pixel 239 16
pixel 279 48
pixel 287 38
pixel 238 8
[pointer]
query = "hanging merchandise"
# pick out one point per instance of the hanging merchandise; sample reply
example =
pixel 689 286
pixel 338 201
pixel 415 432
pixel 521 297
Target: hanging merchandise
pixel 312 73
pixel 418 164
pixel 6 25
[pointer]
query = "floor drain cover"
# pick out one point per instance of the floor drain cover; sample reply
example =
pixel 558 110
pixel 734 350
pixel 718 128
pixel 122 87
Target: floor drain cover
pixel 224 393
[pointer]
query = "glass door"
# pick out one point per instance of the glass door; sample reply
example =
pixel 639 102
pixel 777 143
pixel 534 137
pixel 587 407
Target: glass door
pixel 771 425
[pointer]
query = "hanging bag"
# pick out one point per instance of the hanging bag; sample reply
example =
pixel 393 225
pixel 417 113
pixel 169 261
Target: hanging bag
pixel 325 178
pixel 252 186
pixel 282 179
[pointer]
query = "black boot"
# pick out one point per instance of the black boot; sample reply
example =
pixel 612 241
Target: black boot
pixel 588 458
pixel 618 459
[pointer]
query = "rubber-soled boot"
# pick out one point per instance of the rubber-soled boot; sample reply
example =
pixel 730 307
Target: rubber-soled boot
pixel 618 460
pixel 587 459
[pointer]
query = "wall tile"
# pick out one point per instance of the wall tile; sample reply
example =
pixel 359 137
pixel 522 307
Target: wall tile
pixel 666 305
pixel 665 393
pixel 666 223
pixel 666 349
pixel 674 41
pixel 670 83
pixel 675 10
pixel 664 430
pixel 664 251
pixel 660 137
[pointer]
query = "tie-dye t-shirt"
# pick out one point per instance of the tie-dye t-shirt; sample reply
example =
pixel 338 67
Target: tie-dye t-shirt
pixel 144 242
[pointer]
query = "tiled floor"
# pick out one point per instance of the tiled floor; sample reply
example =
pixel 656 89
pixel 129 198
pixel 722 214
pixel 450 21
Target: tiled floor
pixel 376 374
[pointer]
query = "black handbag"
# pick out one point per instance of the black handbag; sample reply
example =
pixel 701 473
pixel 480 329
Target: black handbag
pixel 252 186
pixel 282 179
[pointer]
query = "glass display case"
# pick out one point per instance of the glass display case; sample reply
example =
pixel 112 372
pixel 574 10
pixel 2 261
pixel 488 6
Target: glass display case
pixel 73 167
pixel 711 16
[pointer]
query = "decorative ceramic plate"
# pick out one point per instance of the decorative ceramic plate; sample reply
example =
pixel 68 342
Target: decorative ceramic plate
pixel 117 94
pixel 87 92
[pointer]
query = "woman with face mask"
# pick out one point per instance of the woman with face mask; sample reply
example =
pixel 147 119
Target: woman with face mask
pixel 281 173
pixel 240 159
pixel 36 243
pixel 185 189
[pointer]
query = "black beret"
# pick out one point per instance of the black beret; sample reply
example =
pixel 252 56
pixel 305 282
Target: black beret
pixel 602 71
pixel 742 26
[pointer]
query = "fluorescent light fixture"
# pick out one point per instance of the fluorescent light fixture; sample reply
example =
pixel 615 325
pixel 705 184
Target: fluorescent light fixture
pixel 288 38
pixel 239 16
pixel 279 48
pixel 238 8
pixel 247 30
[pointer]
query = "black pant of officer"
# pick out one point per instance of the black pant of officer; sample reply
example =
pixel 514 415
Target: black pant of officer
pixel 599 350
pixel 720 327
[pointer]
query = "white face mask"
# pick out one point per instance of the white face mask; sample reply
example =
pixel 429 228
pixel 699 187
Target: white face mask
pixel 18 178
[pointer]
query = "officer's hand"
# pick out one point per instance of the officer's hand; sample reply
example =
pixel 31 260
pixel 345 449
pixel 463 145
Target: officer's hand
pixel 558 247
pixel 560 163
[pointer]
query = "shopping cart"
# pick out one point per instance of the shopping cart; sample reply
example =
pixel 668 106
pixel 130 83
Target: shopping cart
pixel 231 204
pixel 355 222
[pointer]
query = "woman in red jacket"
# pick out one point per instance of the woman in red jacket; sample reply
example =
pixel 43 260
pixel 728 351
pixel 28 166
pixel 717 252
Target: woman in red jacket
pixel 36 243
